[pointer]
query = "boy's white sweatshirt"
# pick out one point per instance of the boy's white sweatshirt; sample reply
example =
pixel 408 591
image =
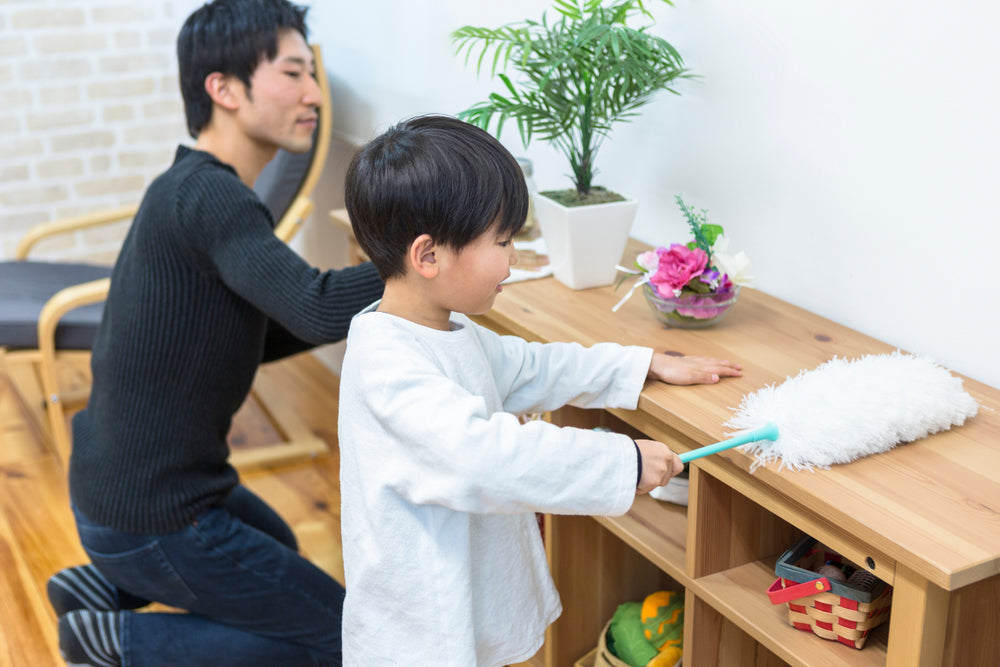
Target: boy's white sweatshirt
pixel 440 483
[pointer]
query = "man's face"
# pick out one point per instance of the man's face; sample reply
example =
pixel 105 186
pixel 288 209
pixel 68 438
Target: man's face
pixel 281 106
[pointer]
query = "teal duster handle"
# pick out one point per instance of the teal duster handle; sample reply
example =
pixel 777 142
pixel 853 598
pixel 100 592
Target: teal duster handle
pixel 766 432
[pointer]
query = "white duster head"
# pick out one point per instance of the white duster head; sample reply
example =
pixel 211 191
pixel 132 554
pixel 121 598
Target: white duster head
pixel 844 410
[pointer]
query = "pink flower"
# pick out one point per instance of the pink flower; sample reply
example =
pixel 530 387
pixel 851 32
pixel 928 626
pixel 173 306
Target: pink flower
pixel 699 307
pixel 678 265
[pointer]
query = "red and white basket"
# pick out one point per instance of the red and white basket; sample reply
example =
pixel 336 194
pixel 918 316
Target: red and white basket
pixel 834 610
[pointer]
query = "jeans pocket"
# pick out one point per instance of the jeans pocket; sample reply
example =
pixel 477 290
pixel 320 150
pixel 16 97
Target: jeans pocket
pixel 144 571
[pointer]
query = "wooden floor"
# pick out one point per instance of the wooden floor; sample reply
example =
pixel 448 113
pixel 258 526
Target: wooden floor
pixel 37 534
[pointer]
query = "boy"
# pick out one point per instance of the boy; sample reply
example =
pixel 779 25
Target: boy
pixel 440 482
pixel 202 293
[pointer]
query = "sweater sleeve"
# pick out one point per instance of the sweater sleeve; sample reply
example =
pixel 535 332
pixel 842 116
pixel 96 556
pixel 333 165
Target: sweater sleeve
pixel 235 237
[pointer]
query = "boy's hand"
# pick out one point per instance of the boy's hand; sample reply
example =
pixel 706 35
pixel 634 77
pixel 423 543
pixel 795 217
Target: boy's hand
pixel 690 370
pixel 659 464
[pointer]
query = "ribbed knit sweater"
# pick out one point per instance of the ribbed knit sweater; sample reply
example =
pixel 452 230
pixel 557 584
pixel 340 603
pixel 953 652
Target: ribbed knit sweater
pixel 201 294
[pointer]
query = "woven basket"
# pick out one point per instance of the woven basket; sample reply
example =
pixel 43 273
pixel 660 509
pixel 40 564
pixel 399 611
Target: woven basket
pixel 832 610
pixel 604 657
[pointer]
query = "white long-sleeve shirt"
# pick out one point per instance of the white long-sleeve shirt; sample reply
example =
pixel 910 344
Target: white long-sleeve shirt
pixel 440 481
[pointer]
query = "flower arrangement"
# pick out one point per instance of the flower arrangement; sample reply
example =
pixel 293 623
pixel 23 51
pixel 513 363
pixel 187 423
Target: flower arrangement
pixel 694 284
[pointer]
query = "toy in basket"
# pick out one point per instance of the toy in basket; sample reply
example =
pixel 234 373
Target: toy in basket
pixel 646 634
pixel 836 606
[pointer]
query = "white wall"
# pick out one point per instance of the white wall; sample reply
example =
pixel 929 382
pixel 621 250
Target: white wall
pixel 90 113
pixel 848 147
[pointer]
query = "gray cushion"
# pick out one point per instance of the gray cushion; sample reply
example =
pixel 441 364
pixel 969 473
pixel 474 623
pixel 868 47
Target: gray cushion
pixel 26 286
pixel 281 179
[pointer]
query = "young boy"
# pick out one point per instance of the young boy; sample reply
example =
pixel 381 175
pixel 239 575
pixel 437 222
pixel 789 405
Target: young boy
pixel 440 481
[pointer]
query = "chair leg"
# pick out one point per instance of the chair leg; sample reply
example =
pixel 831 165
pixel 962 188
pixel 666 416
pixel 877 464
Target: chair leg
pixel 54 410
pixel 61 303
pixel 299 440
pixel 39 394
pixel 60 433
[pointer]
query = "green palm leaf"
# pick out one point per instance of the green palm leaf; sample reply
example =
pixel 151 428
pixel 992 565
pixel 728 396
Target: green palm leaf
pixel 577 75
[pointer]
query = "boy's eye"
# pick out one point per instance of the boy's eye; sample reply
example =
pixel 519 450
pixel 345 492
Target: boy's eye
pixel 504 244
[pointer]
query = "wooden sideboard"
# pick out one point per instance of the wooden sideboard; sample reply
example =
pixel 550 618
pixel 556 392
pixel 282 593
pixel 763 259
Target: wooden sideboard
pixel 924 517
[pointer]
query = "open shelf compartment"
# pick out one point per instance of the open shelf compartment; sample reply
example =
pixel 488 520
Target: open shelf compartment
pixel 733 546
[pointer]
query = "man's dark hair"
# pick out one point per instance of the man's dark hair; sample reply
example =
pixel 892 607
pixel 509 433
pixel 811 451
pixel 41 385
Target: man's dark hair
pixel 431 175
pixel 231 37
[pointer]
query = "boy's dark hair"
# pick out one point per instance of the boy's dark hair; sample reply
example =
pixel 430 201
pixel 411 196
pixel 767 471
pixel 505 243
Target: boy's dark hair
pixel 232 37
pixel 431 175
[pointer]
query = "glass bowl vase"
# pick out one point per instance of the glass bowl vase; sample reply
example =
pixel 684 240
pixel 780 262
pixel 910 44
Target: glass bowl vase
pixel 690 310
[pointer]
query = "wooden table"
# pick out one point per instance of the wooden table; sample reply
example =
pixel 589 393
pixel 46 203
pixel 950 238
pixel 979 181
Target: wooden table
pixel 924 517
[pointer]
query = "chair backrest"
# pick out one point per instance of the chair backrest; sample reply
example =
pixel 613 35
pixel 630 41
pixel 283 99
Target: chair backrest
pixel 289 176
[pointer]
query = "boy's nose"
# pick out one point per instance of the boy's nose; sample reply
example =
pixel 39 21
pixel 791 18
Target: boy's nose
pixel 512 256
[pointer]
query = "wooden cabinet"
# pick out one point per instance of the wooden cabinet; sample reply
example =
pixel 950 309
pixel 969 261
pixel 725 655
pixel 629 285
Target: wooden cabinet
pixel 924 517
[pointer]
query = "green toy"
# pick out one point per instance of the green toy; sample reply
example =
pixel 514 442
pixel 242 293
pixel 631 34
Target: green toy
pixel 627 638
pixel 650 633
pixel 662 617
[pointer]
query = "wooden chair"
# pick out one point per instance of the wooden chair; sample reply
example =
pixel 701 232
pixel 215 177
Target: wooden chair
pixel 49 311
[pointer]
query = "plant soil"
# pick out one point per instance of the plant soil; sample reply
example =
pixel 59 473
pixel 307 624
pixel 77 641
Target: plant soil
pixel 571 197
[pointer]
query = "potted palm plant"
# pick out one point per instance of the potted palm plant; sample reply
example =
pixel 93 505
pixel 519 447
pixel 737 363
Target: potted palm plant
pixel 576 76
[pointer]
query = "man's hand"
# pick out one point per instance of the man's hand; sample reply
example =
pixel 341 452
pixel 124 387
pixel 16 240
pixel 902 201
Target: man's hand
pixel 690 370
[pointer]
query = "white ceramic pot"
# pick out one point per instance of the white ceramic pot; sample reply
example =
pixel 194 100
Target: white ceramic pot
pixel 585 242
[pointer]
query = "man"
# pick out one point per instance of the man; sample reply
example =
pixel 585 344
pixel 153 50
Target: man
pixel 201 294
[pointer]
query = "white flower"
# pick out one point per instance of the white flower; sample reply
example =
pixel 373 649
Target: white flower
pixel 649 261
pixel 737 266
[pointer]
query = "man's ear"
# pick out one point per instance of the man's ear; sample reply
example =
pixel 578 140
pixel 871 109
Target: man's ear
pixel 222 89
pixel 422 256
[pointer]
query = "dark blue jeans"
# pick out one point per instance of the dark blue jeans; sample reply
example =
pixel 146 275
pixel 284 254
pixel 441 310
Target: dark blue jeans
pixel 252 599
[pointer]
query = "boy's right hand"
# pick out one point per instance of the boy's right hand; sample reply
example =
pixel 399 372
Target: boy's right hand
pixel 659 464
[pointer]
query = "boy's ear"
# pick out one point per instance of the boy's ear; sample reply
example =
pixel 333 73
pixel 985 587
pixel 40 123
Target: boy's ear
pixel 221 88
pixel 422 256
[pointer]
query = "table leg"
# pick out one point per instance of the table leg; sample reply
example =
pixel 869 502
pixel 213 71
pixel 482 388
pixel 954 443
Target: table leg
pixel 919 621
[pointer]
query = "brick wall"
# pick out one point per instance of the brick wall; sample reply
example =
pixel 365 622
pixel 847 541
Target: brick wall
pixel 90 112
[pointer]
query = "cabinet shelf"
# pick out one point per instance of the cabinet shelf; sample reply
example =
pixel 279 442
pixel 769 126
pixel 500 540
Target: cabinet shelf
pixel 739 594
pixel 658 531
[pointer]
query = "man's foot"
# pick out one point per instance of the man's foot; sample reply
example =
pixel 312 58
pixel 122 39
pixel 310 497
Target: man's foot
pixel 90 638
pixel 81 587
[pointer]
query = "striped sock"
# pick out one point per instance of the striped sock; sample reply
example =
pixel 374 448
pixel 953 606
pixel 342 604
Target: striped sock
pixel 90 638
pixel 81 587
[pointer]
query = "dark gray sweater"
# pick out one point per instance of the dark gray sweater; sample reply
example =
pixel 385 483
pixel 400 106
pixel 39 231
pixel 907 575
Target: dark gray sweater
pixel 202 293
